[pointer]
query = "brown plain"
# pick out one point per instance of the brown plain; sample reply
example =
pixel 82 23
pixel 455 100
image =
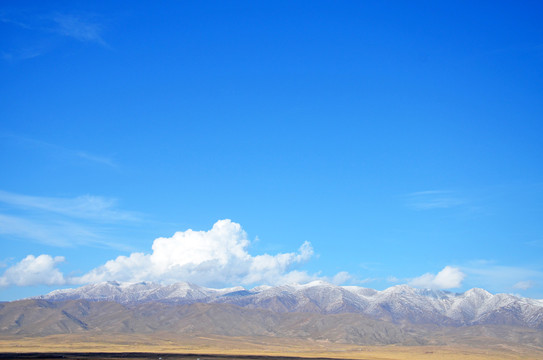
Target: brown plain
pixel 167 343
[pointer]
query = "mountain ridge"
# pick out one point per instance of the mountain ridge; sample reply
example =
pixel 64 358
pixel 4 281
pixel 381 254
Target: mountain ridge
pixel 39 318
pixel 398 304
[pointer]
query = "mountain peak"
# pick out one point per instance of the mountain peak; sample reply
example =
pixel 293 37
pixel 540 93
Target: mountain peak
pixel 261 288
pixel 403 288
pixel 397 303
pixel 316 283
pixel 478 292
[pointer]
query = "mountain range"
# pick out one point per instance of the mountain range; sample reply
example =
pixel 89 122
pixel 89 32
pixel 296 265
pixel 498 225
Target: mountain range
pixel 397 304
pixel 319 312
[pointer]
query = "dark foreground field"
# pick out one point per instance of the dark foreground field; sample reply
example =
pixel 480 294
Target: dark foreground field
pixel 141 356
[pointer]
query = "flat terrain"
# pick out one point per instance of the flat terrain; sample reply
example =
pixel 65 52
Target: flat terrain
pixel 167 346
pixel 139 356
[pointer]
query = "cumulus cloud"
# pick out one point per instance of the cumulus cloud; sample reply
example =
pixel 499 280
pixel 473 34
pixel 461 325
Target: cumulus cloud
pixel 215 257
pixel 448 278
pixel 34 271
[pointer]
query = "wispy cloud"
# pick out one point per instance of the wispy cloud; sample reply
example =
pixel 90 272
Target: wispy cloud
pixel 81 28
pixel 524 285
pixel 85 207
pixel 82 220
pixel 96 159
pixel 495 276
pixel 433 199
pixel 52 232
pixel 41 32
pixel 4 18
pixel 535 243
pixel 57 150
pixel 23 54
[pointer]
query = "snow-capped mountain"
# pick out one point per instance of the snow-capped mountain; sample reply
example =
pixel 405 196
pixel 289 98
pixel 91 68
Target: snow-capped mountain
pixel 127 293
pixel 398 304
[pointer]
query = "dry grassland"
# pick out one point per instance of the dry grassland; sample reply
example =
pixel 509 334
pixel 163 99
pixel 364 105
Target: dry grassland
pixel 217 345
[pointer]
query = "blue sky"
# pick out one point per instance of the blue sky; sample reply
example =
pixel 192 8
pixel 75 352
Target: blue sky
pixel 370 143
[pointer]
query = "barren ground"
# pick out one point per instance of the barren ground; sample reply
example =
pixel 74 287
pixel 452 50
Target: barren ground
pixel 167 346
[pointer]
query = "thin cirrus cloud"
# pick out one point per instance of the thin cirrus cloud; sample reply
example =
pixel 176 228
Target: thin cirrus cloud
pixel 216 257
pixel 85 207
pixel 49 231
pixel 47 29
pixel 495 276
pixel 63 222
pixel 81 28
pixel 95 158
pixel 56 151
pixel 524 285
pixel 23 54
pixel 433 199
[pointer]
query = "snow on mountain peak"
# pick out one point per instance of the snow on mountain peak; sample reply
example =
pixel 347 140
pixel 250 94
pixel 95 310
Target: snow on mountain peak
pixel 261 288
pixel 399 289
pixel 482 293
pixel 397 303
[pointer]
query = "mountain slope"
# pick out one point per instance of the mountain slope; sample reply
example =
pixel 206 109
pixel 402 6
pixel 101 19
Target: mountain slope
pixel 398 304
pixel 41 318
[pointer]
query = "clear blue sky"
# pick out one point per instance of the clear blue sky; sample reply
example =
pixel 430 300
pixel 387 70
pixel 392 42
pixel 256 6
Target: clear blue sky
pixel 401 140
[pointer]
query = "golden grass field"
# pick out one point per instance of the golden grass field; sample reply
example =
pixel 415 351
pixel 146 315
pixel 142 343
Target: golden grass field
pixel 217 345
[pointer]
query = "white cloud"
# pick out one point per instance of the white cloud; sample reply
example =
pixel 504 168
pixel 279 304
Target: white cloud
pixel 341 278
pixel 79 28
pixel 54 150
pixel 215 257
pixel 51 232
pixel 524 285
pixel 449 277
pixel 97 159
pixel 433 199
pixel 494 277
pixel 84 207
pixel 63 222
pixel 34 271
pixel 83 27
